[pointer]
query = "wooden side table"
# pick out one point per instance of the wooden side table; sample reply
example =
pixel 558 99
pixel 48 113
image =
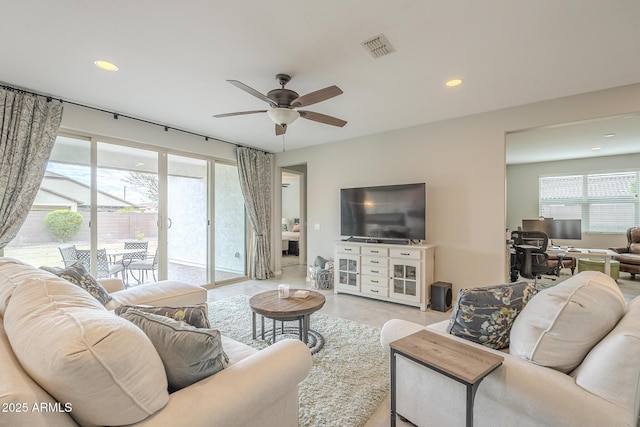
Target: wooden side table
pixel 459 361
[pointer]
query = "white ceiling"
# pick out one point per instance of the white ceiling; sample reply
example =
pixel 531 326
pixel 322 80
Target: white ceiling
pixel 608 136
pixel 174 57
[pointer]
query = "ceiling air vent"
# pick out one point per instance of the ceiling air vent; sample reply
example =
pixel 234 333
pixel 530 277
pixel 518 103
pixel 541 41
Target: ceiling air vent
pixel 378 46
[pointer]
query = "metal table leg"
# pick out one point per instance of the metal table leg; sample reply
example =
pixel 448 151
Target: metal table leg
pixel 392 372
pixel 274 331
pixel 253 318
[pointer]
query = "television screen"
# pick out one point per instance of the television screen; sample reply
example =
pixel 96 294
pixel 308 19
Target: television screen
pixel 569 229
pixel 384 212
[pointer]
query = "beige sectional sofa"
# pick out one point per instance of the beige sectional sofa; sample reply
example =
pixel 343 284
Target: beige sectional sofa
pixel 66 360
pixel 572 361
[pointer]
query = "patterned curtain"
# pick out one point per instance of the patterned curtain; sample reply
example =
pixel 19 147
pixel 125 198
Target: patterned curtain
pixel 28 128
pixel 254 169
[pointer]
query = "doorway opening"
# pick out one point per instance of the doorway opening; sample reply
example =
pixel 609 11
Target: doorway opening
pixel 293 221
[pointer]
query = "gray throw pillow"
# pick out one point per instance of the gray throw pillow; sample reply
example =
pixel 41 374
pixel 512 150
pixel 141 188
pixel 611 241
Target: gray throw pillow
pixel 77 275
pixel 195 315
pixel 485 315
pixel 320 262
pixel 189 354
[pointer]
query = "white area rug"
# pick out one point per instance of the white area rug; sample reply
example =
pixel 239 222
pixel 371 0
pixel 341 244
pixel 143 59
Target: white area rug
pixel 350 374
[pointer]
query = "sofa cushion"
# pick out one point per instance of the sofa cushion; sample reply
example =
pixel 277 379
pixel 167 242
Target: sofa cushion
pixel 12 274
pixel 172 293
pixel 82 354
pixel 561 324
pixel 77 275
pixel 611 368
pixel 189 354
pixel 19 395
pixel 485 315
pixel 194 315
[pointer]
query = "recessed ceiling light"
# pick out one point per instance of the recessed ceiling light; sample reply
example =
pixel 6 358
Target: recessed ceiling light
pixel 105 65
pixel 609 135
pixel 596 148
pixel 453 82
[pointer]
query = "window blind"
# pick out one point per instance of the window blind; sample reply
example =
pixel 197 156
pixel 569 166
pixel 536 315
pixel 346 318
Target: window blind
pixel 605 202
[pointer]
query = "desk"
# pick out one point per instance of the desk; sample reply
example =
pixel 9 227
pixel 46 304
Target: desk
pixel 461 362
pixel 587 253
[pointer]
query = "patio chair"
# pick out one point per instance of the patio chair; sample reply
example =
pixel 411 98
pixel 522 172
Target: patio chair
pixel 140 246
pixel 143 267
pixel 69 255
pixel 105 268
pixel 84 256
pixel 128 257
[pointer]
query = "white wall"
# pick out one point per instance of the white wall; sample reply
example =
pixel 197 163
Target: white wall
pixel 85 120
pixel 522 192
pixel 462 162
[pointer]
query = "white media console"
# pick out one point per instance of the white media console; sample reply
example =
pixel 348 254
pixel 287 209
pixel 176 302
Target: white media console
pixel 388 272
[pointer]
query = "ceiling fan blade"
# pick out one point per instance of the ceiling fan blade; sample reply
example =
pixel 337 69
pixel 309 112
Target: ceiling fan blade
pixel 280 130
pixel 322 118
pixel 239 113
pixel 252 91
pixel 317 96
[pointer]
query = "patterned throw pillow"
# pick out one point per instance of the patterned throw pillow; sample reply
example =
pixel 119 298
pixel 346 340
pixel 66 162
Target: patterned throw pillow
pixel 189 354
pixel 77 275
pixel 485 315
pixel 195 315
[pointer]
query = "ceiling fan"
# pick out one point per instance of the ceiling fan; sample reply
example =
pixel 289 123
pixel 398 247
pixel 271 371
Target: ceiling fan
pixel 284 104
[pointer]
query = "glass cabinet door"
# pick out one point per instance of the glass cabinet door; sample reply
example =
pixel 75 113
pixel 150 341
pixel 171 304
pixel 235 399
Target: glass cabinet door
pixel 348 272
pixel 405 280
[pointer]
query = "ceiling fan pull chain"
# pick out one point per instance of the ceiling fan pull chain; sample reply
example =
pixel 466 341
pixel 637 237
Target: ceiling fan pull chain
pixel 283 150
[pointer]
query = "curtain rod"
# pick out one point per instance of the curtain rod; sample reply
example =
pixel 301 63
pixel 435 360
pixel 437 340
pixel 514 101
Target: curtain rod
pixel 118 115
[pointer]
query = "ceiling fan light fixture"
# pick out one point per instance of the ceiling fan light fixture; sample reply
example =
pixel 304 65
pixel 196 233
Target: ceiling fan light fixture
pixel 283 116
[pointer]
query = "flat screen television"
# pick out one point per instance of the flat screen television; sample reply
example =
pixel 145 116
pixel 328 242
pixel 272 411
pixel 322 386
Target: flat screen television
pixel 384 213
pixel 569 229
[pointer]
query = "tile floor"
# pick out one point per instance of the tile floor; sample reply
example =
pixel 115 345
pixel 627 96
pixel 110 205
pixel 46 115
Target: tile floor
pixel 364 310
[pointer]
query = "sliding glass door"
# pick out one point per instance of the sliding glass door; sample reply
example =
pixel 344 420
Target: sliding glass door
pixel 136 213
pixel 126 212
pixel 230 226
pixel 187 223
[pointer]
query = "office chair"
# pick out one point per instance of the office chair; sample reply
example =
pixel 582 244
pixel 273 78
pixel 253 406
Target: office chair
pixel 529 258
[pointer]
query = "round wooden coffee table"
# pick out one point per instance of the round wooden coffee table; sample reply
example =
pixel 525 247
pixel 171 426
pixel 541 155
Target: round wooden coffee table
pixel 270 306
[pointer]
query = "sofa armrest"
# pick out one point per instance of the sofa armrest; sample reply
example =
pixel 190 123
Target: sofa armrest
pixel 243 393
pixel 395 329
pixel 112 284
pixel 544 397
pixel 620 250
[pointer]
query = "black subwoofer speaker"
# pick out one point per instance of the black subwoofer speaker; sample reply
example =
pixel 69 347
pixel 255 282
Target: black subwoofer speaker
pixel 441 296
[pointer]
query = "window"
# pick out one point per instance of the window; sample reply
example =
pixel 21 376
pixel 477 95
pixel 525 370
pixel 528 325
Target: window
pixel 605 202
